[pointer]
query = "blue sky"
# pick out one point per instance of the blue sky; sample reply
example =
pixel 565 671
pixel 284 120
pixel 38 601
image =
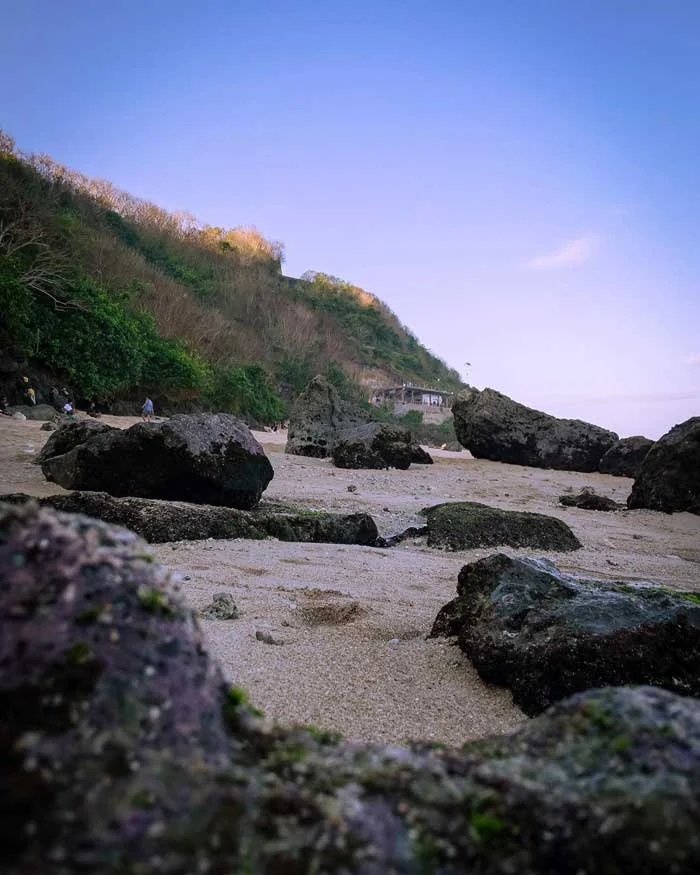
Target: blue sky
pixel 519 181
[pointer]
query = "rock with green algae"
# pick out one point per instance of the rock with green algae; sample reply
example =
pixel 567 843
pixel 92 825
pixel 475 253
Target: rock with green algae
pixel 123 751
pixel 546 635
pixel 465 525
pixel 158 521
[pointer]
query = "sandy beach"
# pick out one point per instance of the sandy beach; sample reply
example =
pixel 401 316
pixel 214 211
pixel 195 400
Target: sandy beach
pixel 350 622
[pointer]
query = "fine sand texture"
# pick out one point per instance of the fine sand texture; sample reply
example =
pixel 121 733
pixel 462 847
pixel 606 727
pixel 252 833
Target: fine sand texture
pixel 349 623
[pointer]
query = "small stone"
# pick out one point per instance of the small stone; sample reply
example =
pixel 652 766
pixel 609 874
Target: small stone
pixel 265 637
pixel 352 488
pixel 395 641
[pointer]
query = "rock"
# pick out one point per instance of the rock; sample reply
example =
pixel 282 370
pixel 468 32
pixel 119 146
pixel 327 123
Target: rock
pixel 625 457
pixel 465 525
pixel 318 417
pixel 265 637
pixel 70 435
pixel 222 607
pixel 546 635
pixel 20 417
pixel 419 456
pixel 374 445
pixel 588 499
pixel 48 426
pixel 206 458
pixel 669 477
pixel 36 412
pixel 160 521
pixel 122 748
pixel 492 426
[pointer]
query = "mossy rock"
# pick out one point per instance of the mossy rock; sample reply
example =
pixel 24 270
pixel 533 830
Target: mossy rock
pixel 466 525
pixel 123 750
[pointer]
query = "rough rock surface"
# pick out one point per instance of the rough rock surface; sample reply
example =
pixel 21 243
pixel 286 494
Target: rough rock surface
pixel 222 607
pixel 669 477
pixel 419 456
pixel 465 525
pixel 547 635
pixel 159 521
pixel 206 458
pixel 122 751
pixel 492 426
pixel 317 419
pixel 70 435
pixel 625 457
pixel 374 445
pixel 36 412
pixel 588 499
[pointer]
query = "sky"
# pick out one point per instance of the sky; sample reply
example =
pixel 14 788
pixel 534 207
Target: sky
pixel 518 180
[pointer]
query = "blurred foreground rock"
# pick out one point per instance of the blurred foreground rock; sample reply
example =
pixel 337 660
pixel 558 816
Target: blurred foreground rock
pixel 122 750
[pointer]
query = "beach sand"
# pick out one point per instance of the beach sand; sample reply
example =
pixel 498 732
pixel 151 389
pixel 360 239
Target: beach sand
pixel 350 622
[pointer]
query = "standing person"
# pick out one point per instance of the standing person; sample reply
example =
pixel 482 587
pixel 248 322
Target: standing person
pixel 68 409
pixel 147 412
pixel 31 395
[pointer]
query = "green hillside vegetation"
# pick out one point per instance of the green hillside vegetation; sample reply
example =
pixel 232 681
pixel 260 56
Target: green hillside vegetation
pixel 118 297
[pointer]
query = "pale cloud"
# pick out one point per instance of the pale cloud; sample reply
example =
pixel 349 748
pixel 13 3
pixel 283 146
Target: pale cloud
pixel 693 359
pixel 573 252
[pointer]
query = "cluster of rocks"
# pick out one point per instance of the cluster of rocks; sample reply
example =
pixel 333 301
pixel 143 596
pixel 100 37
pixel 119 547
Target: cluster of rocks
pixel 323 425
pixel 124 749
pixel 666 472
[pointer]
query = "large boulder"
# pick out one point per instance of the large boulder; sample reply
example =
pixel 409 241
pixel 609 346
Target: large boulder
pixel 317 419
pixel 625 457
pixel 547 635
pixel 669 477
pixel 123 750
pixel 159 521
pixel 374 445
pixel 492 426
pixel 69 435
pixel 208 458
pixel 36 412
pixel 465 525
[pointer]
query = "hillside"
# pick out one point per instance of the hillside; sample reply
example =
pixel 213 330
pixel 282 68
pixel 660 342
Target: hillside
pixel 115 297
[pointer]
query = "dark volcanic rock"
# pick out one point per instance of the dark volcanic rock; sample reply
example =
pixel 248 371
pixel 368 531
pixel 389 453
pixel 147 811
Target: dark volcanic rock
pixel 374 445
pixel 122 751
pixel 669 477
pixel 207 458
pixel 546 635
pixel 492 426
pixel 69 435
pixel 159 521
pixel 37 412
pixel 419 456
pixel 318 417
pixel 588 499
pixel 625 457
pixel 465 525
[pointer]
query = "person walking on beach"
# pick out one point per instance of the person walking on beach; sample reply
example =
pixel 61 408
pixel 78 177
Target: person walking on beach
pixel 147 412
